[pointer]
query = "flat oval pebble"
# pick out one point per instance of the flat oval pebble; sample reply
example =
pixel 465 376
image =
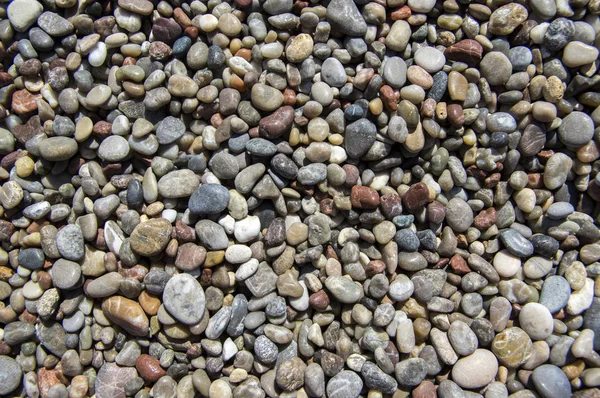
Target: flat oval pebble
pixel 184 298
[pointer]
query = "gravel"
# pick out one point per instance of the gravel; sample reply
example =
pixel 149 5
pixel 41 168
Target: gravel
pixel 279 198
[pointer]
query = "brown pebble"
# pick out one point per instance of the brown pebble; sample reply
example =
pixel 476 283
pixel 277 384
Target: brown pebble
pixel 485 219
pixel 456 115
pixel 416 197
pixel 459 265
pixel 149 368
pixel 364 197
pixel 319 300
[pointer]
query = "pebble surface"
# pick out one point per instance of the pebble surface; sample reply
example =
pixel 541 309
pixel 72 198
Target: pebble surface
pixel 285 198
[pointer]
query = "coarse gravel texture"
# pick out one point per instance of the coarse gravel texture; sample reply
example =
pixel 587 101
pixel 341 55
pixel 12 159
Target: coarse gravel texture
pixel 284 198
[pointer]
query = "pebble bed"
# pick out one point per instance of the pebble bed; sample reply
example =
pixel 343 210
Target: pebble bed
pixel 286 198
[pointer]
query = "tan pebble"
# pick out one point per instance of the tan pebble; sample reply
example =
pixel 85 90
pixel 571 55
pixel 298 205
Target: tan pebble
pixel 419 76
pixel 457 86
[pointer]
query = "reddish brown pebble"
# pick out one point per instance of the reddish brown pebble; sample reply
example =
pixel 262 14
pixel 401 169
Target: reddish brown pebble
pixel 485 219
pixel 375 267
pixel 5 79
pixel 425 390
pixel 459 265
pixel 468 51
pixel 24 102
pixel 456 115
pixel 352 174
pixel 391 205
pixel 364 197
pixel 278 123
pixel 149 368
pixel 102 128
pixel 436 212
pixel 401 13
pixel 416 197
pixel 319 300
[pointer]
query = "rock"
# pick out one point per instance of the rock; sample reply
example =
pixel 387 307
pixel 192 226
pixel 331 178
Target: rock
pixel 111 380
pixel 209 199
pixel 536 320
pixel 54 24
pixel 576 129
pixel 411 372
pixel 476 370
pixel 496 67
pixel 290 374
pixel 22 14
pixel 468 51
pixel 551 382
pixel 359 137
pixel 178 184
pixel 10 375
pixel 56 149
pixel 345 384
pixel 555 293
pixel 184 298
pixel 512 347
pixel 378 380
pixel 170 129
pixel 505 19
pixel 459 215
pixel 266 98
pixel 332 72
pixel 69 242
pixel 429 58
pixel 344 17
pixel 277 124
pixel 343 289
pixel 151 237
pixel 126 313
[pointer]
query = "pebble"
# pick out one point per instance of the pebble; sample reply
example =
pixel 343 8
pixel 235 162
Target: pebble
pixel 209 199
pixel 535 319
pixel 184 298
pixel 550 381
pixel 476 370
pixel 10 374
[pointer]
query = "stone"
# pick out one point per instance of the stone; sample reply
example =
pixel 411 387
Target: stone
pixel 496 67
pixel 344 17
pixel 209 199
pixel 411 372
pixel 290 374
pixel 178 184
pixel 576 129
pixel 69 242
pixel 512 347
pixel 555 293
pixel 536 320
pixel 151 237
pixel 343 289
pixel 476 370
pixel 359 137
pixel 505 19
pixel 111 380
pixel 550 381
pixel 266 98
pixel 577 54
pixel 333 73
pixel 22 14
pixel 459 215
pixel 126 313
pixel 184 298
pixel 345 384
